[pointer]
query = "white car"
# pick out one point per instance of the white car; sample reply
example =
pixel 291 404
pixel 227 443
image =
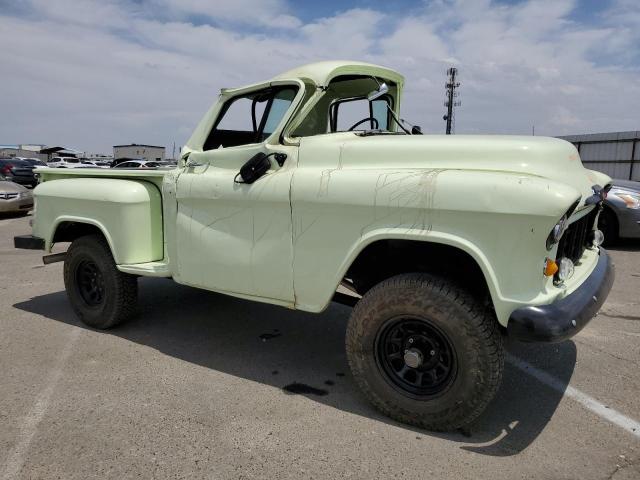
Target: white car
pixel 64 162
pixel 92 164
pixel 138 164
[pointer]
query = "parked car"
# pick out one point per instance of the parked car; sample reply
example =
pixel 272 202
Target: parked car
pixel 92 164
pixel 15 198
pixel 137 164
pixel 448 243
pixel 36 162
pixel 117 161
pixel 64 162
pixel 18 171
pixel 620 217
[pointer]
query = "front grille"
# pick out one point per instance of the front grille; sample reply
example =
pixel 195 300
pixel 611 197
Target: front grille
pixel 8 196
pixel 575 238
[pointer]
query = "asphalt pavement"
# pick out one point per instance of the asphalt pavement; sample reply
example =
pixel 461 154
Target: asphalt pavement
pixel 201 385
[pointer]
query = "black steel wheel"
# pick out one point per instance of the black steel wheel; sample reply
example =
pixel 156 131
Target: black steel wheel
pixel 90 283
pixel 425 352
pixel 416 356
pixel 99 293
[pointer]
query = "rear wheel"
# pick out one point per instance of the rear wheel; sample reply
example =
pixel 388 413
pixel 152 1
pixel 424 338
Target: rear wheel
pixel 99 293
pixel 424 352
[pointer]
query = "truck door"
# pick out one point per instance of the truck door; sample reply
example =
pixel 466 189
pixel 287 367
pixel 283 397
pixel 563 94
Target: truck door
pixel 236 237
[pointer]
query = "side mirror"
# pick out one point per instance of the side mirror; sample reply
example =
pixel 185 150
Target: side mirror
pixel 255 168
pixel 382 89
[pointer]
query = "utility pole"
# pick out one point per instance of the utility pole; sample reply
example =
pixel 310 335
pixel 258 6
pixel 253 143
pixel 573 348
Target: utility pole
pixel 450 102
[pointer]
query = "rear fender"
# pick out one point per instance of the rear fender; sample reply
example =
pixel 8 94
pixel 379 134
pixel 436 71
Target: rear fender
pixel 127 212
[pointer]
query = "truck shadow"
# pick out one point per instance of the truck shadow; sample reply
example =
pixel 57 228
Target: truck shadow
pixel 281 348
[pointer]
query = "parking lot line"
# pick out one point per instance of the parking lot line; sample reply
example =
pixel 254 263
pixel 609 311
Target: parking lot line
pixel 607 413
pixel 16 457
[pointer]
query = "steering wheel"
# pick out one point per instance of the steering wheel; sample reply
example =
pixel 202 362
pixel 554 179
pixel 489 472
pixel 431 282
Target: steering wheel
pixel 368 119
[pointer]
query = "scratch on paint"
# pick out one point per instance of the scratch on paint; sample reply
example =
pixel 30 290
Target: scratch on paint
pixel 325 178
pixel 406 197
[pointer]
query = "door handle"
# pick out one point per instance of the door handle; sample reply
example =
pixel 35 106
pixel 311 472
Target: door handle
pixel 191 164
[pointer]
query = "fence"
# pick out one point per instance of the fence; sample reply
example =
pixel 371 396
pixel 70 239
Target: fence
pixel 617 154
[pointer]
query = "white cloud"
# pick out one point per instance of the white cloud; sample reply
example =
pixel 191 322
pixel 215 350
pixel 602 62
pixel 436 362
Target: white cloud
pixel 93 74
pixel 272 13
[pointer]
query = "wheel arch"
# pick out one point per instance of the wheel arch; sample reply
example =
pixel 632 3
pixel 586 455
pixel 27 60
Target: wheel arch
pixel 69 228
pixel 453 247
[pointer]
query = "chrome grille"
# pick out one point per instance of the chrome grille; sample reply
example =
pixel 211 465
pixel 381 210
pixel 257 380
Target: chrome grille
pixel 575 238
pixel 8 196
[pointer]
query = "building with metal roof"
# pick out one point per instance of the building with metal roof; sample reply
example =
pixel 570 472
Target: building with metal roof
pixel 139 151
pixel 616 153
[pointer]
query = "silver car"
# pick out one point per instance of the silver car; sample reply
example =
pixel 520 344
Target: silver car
pixel 15 198
pixel 620 217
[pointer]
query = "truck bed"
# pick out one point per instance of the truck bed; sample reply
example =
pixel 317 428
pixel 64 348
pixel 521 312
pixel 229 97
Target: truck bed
pixel 154 176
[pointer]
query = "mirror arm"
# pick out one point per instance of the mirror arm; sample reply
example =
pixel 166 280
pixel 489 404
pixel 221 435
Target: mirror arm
pixel 393 115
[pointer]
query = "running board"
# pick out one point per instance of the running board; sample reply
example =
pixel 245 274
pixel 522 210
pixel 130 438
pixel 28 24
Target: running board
pixel 149 269
pixel 53 258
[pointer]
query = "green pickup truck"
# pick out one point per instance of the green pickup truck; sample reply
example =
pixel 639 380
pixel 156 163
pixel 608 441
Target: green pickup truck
pixel 308 189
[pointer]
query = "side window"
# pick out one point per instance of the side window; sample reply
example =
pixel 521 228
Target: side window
pixel 236 126
pixel 251 118
pixel 279 106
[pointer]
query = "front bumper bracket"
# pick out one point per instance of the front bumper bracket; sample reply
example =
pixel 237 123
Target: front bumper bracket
pixel 28 242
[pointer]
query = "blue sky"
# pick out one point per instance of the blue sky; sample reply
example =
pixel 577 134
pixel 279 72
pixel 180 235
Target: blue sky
pixel 94 73
pixel 585 10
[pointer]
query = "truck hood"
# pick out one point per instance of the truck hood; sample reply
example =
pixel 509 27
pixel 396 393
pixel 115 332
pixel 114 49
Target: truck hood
pixel 545 157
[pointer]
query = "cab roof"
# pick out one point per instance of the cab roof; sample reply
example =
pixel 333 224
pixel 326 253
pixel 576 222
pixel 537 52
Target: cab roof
pixel 321 73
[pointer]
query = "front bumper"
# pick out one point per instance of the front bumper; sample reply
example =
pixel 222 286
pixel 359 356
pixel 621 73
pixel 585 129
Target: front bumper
pixel 561 320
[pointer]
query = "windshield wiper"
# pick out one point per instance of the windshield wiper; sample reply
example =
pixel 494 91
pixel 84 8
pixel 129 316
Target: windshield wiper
pixel 371 133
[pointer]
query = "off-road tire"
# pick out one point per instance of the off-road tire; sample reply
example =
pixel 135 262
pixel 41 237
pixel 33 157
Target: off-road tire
pixel 471 328
pixel 119 290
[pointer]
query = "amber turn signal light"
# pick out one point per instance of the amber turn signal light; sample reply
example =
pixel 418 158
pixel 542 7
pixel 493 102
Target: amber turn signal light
pixel 550 267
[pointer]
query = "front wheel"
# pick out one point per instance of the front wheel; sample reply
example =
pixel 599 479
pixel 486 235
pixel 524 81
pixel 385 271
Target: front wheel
pixel 425 352
pixel 100 295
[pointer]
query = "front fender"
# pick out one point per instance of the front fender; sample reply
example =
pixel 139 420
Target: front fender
pixel 500 219
pixel 127 212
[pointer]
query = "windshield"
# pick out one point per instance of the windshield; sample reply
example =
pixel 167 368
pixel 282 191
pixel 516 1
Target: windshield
pixel 344 107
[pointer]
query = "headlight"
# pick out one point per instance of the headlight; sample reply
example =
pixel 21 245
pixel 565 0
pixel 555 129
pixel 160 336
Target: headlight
pixel 556 232
pixel 596 237
pixel 565 269
pixel 26 194
pixel 631 200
